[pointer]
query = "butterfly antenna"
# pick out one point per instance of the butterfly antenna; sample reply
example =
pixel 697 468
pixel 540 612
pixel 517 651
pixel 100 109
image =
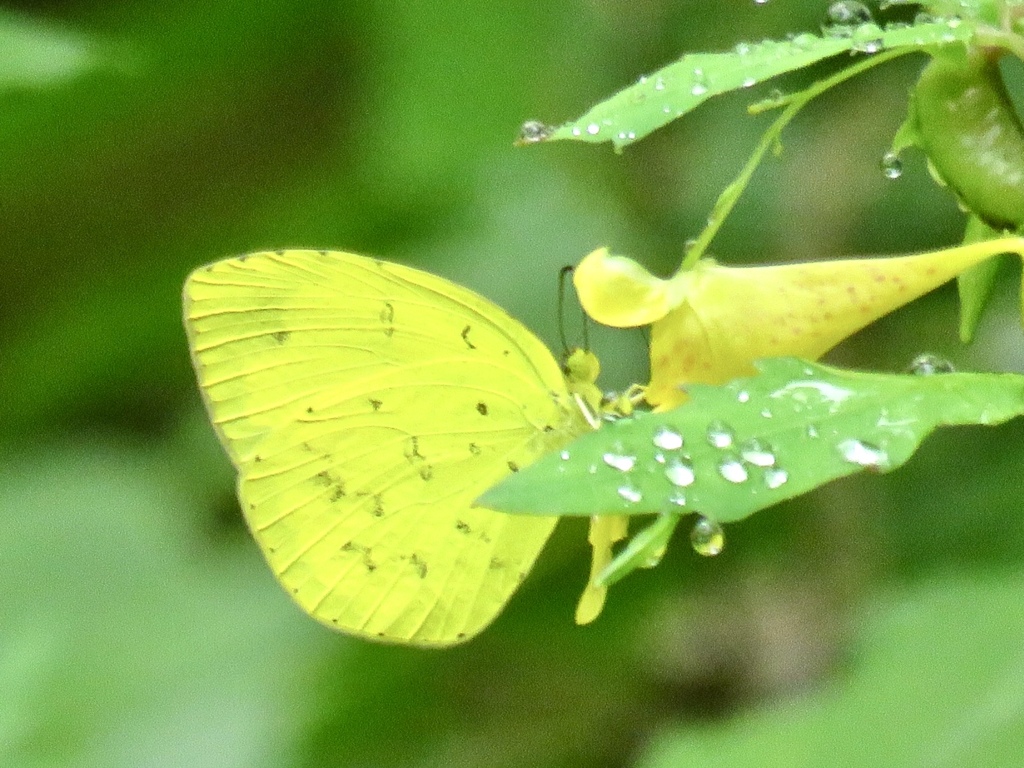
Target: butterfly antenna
pixel 562 274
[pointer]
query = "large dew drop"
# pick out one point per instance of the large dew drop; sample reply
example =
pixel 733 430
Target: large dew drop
pixel 757 453
pixel 775 477
pixel 846 14
pixel 630 494
pixel 891 165
pixel 707 537
pixel 926 365
pixel 620 461
pixel 679 473
pixel 534 132
pixel 863 454
pixel 667 439
pixel 732 469
pixel 720 434
pixel 867 38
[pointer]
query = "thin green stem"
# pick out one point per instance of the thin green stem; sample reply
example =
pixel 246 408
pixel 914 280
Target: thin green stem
pixel 771 137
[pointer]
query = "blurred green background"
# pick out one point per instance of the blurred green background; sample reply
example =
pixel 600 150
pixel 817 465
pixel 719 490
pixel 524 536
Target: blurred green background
pixel 879 621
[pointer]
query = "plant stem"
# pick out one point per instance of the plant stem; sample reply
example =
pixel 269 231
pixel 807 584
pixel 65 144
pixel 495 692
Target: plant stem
pixel 771 137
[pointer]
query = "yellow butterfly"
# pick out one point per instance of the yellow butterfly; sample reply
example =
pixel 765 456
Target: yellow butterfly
pixel 366 405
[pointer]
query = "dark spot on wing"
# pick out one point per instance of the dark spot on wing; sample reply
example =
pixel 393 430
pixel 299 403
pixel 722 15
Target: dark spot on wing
pixel 322 253
pixel 426 472
pixel 307 447
pixel 419 565
pixel 375 404
pixel 506 353
pixel 484 537
pixel 257 459
pixel 378 506
pixel 475 449
pixel 281 336
pixel 522 576
pixel 460 636
pixel 242 259
pixel 413 450
pixel 481 408
pixel 513 466
pixel 351 546
pixel 387 317
pixel 548 428
pixel 309 409
pixel 465 337
pixel 323 478
pixel 338 492
pixel 497 564
pixel 462 526
pixel 279 252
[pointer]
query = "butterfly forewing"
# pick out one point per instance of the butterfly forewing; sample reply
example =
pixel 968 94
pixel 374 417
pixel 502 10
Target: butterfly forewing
pixel 366 406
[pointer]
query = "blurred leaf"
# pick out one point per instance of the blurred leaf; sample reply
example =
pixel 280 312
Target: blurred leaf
pixel 676 89
pixel 730 451
pixel 37 54
pixel 936 684
pixel 124 639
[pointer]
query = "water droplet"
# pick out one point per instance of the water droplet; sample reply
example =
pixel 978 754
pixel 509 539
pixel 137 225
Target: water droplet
pixel 700 82
pixel 564 455
pixel 707 537
pixel 867 38
pixel 891 165
pixel 534 132
pixel 678 498
pixel 847 13
pixel 757 453
pixel 680 473
pixel 668 439
pixel 743 49
pixel 812 431
pixel 630 494
pixel 863 454
pixel 593 129
pixel 732 469
pixel 743 396
pixel 804 41
pixel 927 364
pixel 775 478
pixel 576 132
pixel 749 82
pixel 660 458
pixel 659 84
pixel 760 2
pixel 619 461
pixel 720 434
pixel 766 414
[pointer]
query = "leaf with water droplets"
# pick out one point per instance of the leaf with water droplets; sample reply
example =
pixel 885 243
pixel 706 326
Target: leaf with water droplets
pixel 732 460
pixel 679 87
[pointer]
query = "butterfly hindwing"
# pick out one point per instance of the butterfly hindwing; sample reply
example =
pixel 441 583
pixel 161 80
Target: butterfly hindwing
pixel 366 405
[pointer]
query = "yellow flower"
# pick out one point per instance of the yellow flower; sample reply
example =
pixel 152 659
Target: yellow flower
pixel 711 322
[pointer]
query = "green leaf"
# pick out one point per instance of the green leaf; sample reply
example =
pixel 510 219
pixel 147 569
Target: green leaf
pixel 37 54
pixel 975 285
pixel 680 87
pixel 732 450
pixel 936 682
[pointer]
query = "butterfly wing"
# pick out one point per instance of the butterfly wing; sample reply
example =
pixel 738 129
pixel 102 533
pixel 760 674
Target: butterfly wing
pixel 366 405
